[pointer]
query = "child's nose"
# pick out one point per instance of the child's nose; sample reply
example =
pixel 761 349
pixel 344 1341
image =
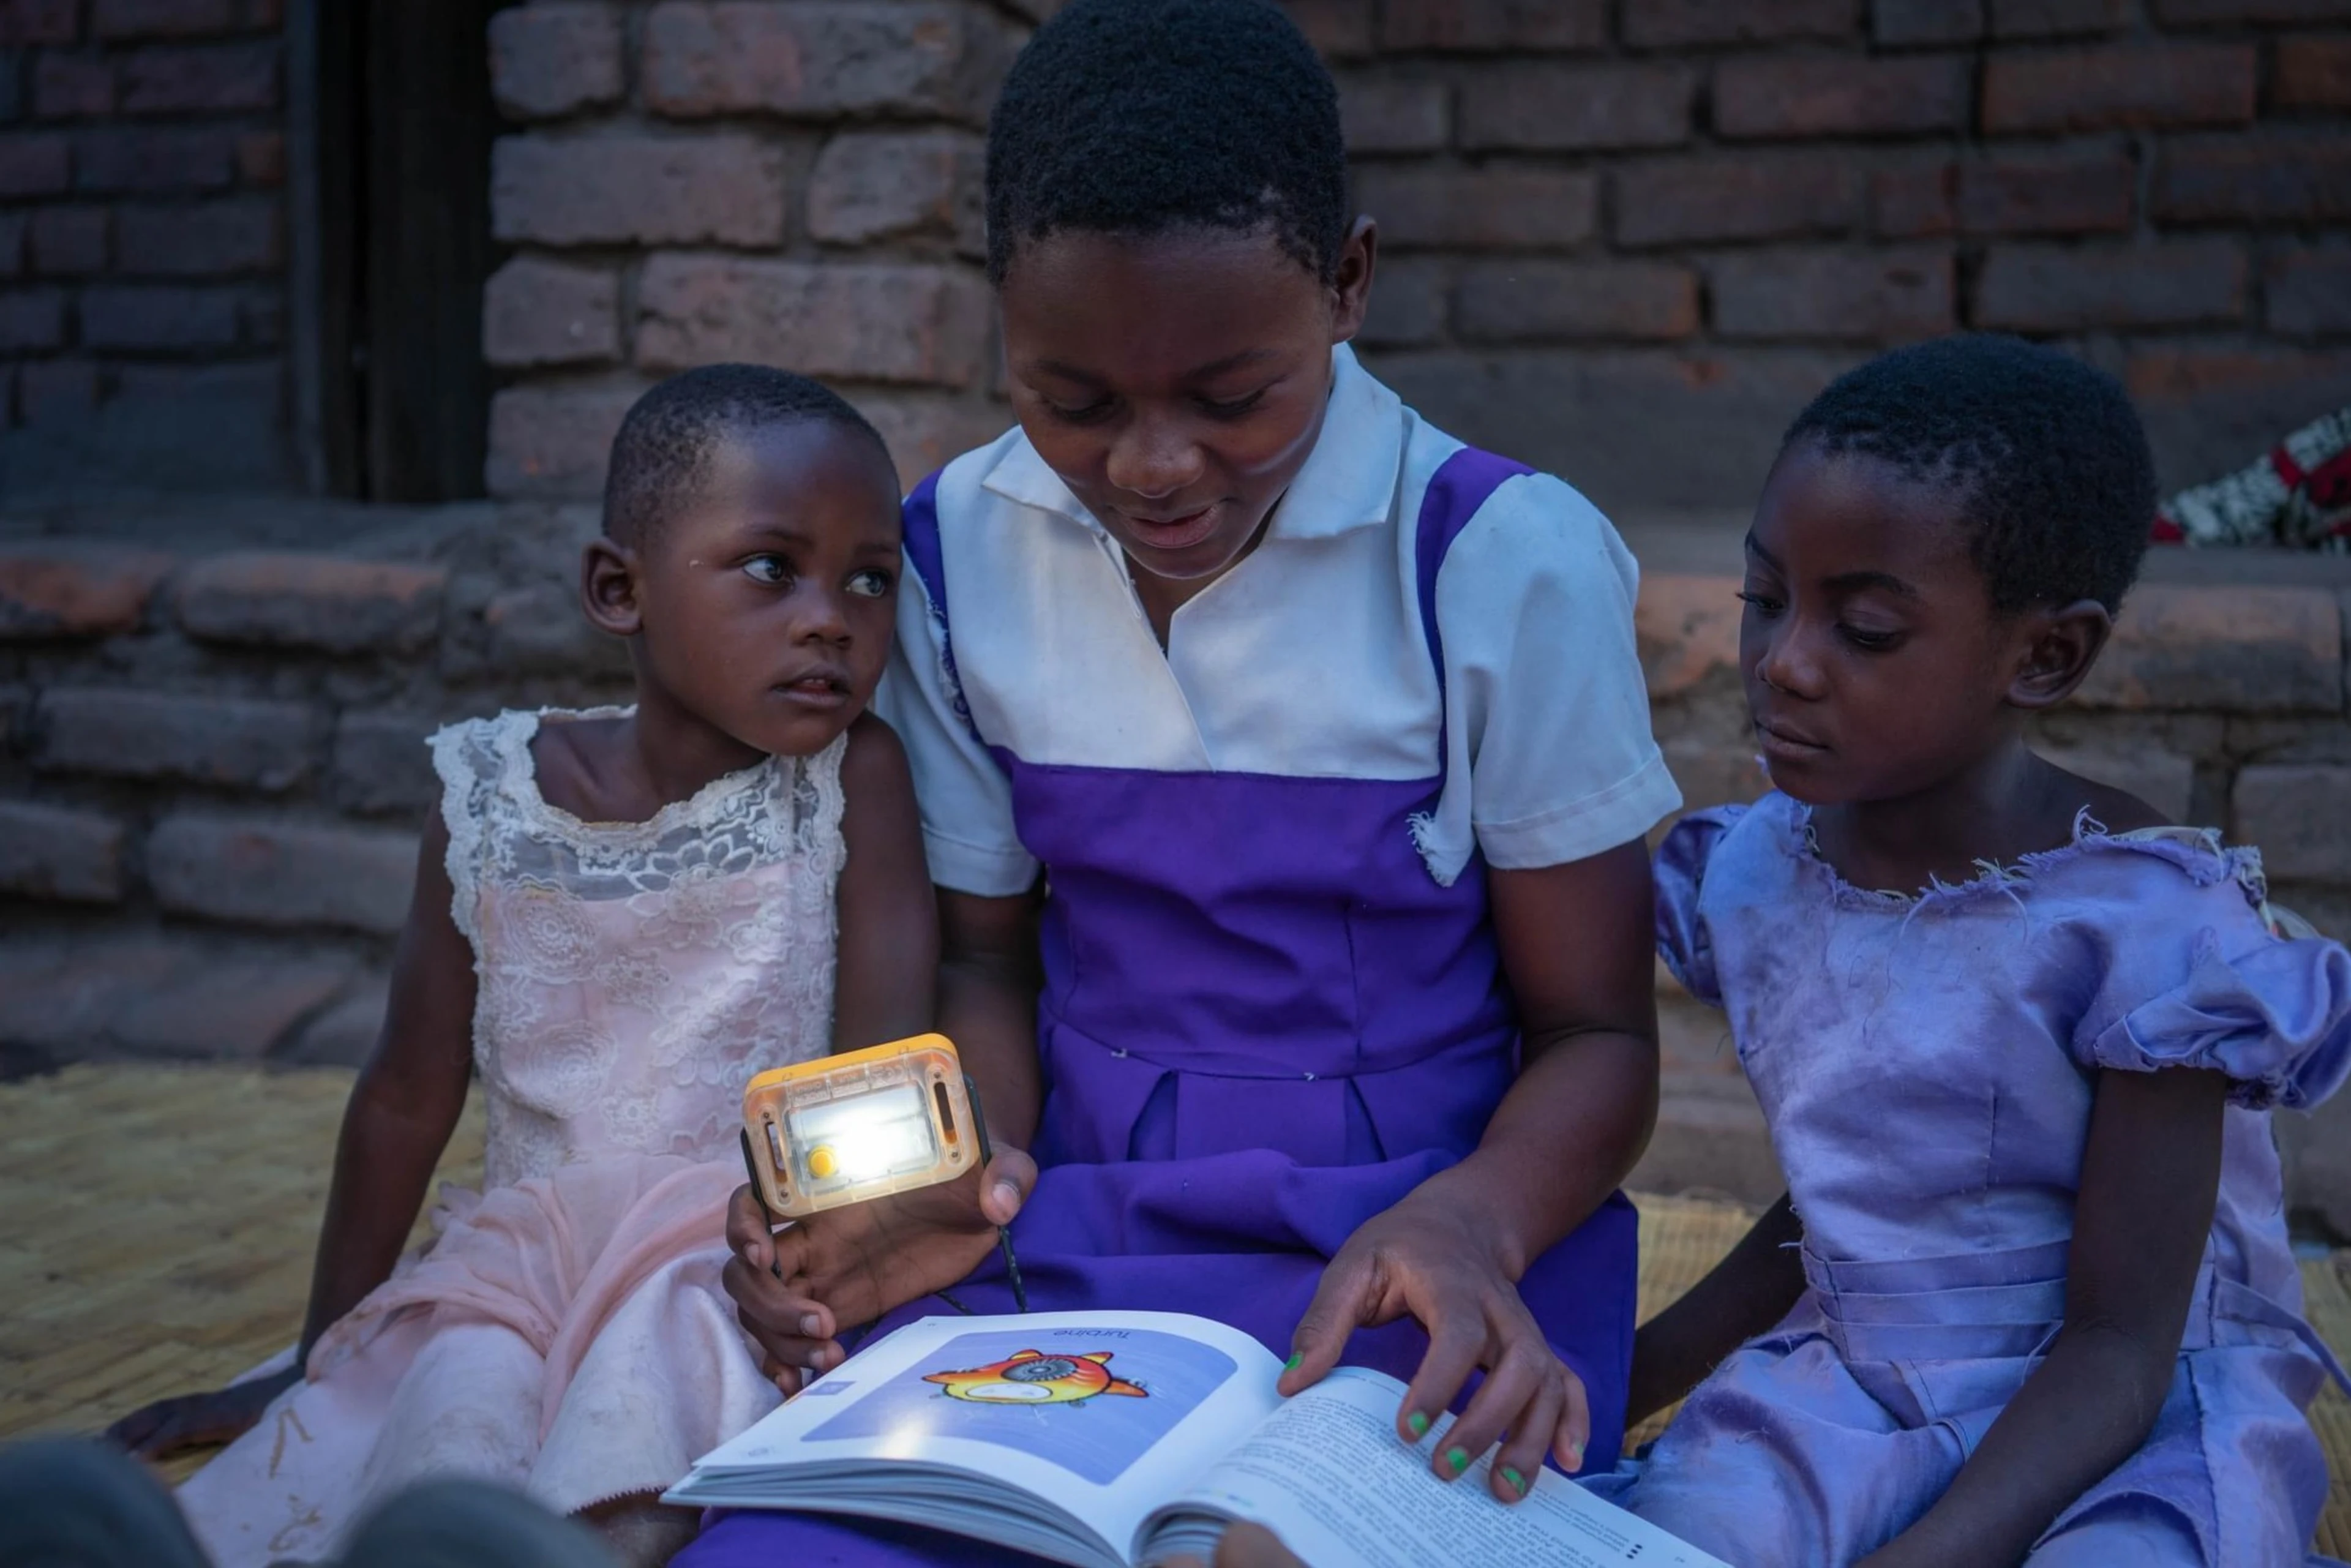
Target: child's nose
pixel 823 614
pixel 1153 458
pixel 1788 665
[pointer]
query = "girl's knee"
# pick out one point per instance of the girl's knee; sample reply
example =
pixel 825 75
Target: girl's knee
pixel 2137 1529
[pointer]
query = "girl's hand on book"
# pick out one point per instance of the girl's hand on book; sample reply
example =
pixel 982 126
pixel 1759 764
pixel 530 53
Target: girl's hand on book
pixel 795 1289
pixel 1432 1260
pixel 1248 1546
pixel 169 1426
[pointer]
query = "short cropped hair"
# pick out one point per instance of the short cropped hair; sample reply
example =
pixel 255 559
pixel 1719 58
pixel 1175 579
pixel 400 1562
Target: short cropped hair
pixel 1134 117
pixel 660 458
pixel 2047 455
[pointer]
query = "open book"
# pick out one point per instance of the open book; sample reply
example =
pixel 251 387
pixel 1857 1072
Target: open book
pixel 1111 1440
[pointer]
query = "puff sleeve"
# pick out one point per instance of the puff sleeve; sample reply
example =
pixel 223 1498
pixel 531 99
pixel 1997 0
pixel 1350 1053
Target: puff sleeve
pixel 1682 937
pixel 2271 1013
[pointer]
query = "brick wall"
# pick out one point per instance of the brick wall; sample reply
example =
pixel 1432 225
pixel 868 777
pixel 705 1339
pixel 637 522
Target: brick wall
pixel 143 300
pixel 1625 240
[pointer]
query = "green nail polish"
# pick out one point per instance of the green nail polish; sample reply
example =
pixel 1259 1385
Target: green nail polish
pixel 1575 1456
pixel 1418 1424
pixel 1518 1482
pixel 1291 1364
pixel 1457 1460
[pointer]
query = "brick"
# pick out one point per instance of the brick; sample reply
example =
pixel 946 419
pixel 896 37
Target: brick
pixel 39 22
pixel 1714 775
pixel 261 158
pixel 53 395
pixel 1687 627
pixel 182 157
pixel 553 442
pixel 31 320
pixel 72 86
pixel 1408 304
pixel 232 234
pixel 2185 283
pixel 1801 97
pixel 1710 1141
pixel 129 21
pixel 209 78
pixel 2253 180
pixel 158 316
pixel 1680 24
pixel 1533 301
pixel 57 588
pixel 1891 296
pixel 232 1011
pixel 1574 107
pixel 821 59
pixel 66 996
pixel 331 603
pixel 2313 73
pixel 60 852
pixel 13 234
pixel 1480 209
pixel 2222 13
pixel 2047 195
pixel 2057 18
pixel 1909 24
pixel 548 61
pixel 1915 202
pixel 540 312
pixel 924 430
pixel 341 1035
pixel 1339 29
pixel 2119 87
pixel 1488 26
pixel 636 190
pixel 124 734
pixel 2206 408
pixel 381 764
pixel 1735 199
pixel 242 400
pixel 880 322
pixel 1394 114
pixel 34 165
pixel 12 92
pixel 269 873
pixel 2231 650
pixel 2308 291
pixel 261 317
pixel 2295 812
pixel 886 185
pixel 70 242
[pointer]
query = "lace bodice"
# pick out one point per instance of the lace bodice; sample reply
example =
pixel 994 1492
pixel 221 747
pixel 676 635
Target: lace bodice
pixel 633 976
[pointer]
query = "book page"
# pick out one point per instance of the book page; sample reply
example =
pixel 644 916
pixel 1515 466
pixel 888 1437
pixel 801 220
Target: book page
pixel 1096 1417
pixel 1329 1475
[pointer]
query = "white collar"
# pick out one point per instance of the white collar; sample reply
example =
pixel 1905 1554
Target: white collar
pixel 1349 480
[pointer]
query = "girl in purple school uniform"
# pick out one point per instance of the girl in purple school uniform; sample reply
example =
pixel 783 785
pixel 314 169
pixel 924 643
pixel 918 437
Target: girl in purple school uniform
pixel 2029 1296
pixel 1284 766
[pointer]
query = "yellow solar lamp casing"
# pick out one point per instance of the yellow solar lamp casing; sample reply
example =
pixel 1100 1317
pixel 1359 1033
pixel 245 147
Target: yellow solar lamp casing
pixel 844 1129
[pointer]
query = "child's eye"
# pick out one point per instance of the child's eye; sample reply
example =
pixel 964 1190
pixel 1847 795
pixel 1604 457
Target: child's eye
pixel 1234 409
pixel 1870 641
pixel 771 569
pixel 1762 603
pixel 873 584
pixel 1087 414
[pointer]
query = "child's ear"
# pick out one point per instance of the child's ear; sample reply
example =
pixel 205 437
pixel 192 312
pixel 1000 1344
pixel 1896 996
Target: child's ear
pixel 1353 285
pixel 2063 644
pixel 608 588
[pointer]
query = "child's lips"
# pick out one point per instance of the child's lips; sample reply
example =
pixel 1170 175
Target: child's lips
pixel 821 691
pixel 1779 740
pixel 1174 533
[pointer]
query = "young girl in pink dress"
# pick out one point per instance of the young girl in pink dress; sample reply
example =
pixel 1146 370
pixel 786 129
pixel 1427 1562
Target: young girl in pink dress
pixel 620 917
pixel 2029 1296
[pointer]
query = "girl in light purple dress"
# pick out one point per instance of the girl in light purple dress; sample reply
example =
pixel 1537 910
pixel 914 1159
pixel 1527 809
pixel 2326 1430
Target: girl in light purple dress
pixel 2029 1296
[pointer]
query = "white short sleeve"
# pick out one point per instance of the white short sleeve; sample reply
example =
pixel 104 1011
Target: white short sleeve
pixel 967 802
pixel 1549 714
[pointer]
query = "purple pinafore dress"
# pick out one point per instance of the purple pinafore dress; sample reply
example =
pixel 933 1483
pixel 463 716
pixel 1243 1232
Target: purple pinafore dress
pixel 1264 1021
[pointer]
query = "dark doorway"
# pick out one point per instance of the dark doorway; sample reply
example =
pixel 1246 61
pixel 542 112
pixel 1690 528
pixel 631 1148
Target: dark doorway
pixel 392 223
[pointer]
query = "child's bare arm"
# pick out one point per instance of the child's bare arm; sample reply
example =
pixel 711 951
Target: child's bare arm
pixel 886 980
pixel 1743 1296
pixel 2150 1178
pixel 396 1125
pixel 1576 946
